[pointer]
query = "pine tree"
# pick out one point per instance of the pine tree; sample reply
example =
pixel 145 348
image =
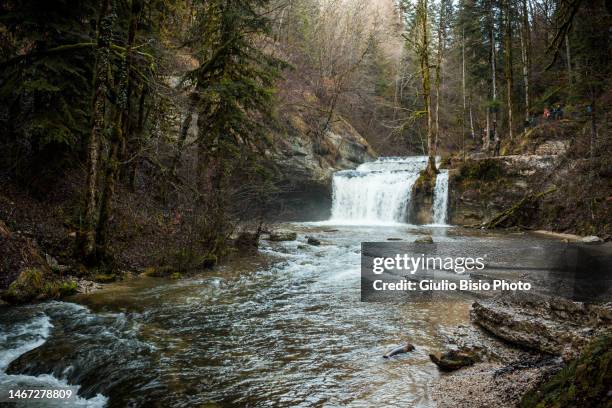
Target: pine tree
pixel 45 74
pixel 234 83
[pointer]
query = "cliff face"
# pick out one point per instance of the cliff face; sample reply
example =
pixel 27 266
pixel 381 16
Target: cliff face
pixel 482 187
pixel 307 159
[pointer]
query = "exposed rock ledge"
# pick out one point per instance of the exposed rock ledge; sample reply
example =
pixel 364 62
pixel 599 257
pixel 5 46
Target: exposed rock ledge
pixel 532 335
pixel 306 163
pixel 480 187
pixel 548 325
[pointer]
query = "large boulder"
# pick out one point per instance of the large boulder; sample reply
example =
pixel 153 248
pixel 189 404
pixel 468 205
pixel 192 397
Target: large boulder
pixel 549 325
pixel 277 236
pixel 454 359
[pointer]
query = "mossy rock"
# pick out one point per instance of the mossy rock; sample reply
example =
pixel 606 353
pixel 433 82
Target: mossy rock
pixel 425 183
pixel 28 286
pixel 278 236
pixel 584 382
pixel 34 284
pixel 105 277
pixel 60 289
pixel 160 271
pixel 446 161
pixel 482 170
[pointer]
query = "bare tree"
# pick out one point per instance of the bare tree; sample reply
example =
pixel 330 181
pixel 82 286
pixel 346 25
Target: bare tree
pixel 422 43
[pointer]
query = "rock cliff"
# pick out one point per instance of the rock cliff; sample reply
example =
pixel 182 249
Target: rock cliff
pixel 307 159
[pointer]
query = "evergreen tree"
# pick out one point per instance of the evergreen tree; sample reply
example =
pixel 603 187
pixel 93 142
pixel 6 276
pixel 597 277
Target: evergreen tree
pixel 45 75
pixel 234 83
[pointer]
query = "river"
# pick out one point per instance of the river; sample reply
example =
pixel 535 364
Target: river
pixel 290 332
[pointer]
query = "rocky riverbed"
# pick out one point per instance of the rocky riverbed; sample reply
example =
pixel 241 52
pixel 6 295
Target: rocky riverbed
pixel 517 344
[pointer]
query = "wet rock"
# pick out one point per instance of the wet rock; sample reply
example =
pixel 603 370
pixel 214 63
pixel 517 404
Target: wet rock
pixel 454 359
pixel 87 286
pixel 427 239
pixel 105 277
pixel 591 239
pixel 277 236
pixel 545 324
pixel 480 188
pixel 34 284
pixel 421 201
pixel 394 239
pixel 247 240
pixel 313 241
pixel 562 236
pixel 473 337
pixel 399 350
pixel 331 230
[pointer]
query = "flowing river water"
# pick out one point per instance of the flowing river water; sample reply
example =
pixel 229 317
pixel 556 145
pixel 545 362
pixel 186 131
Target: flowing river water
pixel 290 331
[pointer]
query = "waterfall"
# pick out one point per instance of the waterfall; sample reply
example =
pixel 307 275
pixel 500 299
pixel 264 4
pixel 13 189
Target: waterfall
pixel 376 192
pixel 440 203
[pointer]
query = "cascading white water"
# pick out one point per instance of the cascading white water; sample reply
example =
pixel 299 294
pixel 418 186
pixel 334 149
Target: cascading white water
pixel 377 192
pixel 440 203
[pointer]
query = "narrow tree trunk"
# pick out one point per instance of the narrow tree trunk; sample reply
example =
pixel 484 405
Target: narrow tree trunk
pixel 183 134
pixel 463 80
pixel 87 235
pixel 424 57
pixel 441 46
pixel 569 59
pixel 492 136
pixel 526 59
pixel 472 132
pixel 508 68
pixel 121 126
pixel 108 191
pixel 138 132
pixel 486 145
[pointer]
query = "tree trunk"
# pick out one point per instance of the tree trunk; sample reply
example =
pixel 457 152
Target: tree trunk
pixel 86 246
pixel 526 59
pixel 569 59
pixel 508 67
pixel 121 126
pixel 492 136
pixel 183 135
pixel 472 132
pixel 441 46
pixel 424 60
pixel 463 81
pixel 486 142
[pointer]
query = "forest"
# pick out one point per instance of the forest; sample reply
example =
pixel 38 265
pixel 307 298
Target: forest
pixel 122 109
pixel 187 186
